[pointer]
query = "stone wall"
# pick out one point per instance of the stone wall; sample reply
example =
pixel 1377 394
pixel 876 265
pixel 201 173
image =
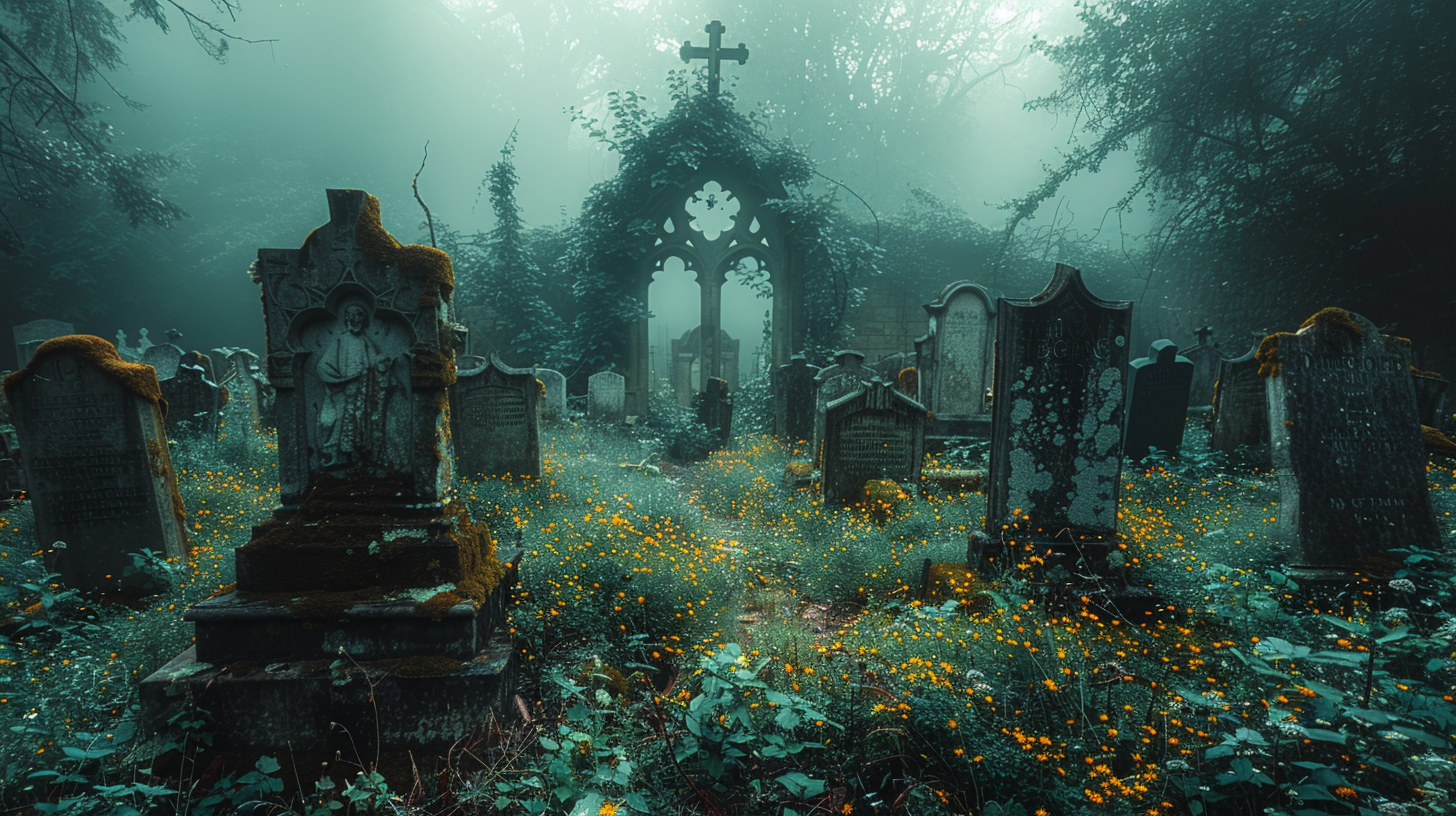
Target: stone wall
pixel 888 321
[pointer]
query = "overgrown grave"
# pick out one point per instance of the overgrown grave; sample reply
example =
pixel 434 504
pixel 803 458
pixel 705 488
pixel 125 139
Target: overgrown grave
pixel 96 463
pixel 1241 411
pixel 874 445
pixel 1345 439
pixel 714 407
pixel 368 614
pixel 195 402
pixel 846 374
pixel 794 414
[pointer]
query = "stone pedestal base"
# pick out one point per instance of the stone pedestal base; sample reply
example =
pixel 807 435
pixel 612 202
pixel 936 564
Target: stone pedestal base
pixel 322 706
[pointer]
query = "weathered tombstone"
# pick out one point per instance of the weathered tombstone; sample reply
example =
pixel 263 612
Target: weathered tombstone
pixel 793 391
pixel 954 358
pixel 164 357
pixel 606 397
pixel 1431 391
pixel 889 367
pixel 29 336
pixel 194 402
pixel 846 374
pixel 493 413
pixel 687 365
pixel 94 451
pixel 872 433
pixel 715 411
pixel 1346 444
pixel 1056 433
pixel 1157 401
pixel 553 402
pixel 368 564
pixel 143 342
pixel 1204 356
pixel 127 353
pixel 12 479
pixel 202 361
pixel 239 371
pixel 1241 409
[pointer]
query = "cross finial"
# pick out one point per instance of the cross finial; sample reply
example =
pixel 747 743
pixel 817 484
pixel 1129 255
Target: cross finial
pixel 1203 334
pixel 715 53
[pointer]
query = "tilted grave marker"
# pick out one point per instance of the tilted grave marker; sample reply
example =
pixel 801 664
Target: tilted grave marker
pixel 1346 444
pixel 1205 356
pixel 495 420
pixel 1056 435
pixel 369 555
pixel 793 392
pixel 194 401
pixel 844 376
pixel 872 433
pixel 553 402
pixel 94 452
pixel 1157 401
pixel 164 357
pixel 1241 409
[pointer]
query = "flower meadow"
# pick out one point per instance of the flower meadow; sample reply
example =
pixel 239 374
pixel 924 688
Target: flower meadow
pixel 708 637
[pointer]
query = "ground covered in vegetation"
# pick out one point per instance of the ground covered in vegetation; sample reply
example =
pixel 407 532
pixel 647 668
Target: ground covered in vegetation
pixel 700 637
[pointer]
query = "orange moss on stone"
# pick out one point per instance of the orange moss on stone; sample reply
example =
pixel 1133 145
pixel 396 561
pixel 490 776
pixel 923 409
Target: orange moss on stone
pixel 138 378
pixel 1332 317
pixel 1437 443
pixel 439 605
pixel 424 263
pixel 1268 354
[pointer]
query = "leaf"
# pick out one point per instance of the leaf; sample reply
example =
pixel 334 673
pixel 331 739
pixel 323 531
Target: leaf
pixel 1324 735
pixel 589 804
pixel 1395 634
pixel 1369 715
pixel 1417 734
pixel 800 785
pixel 1348 626
pixel 550 744
pixel 267 765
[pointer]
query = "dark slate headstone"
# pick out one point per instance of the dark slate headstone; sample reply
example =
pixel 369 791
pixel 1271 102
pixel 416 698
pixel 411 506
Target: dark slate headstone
pixel 1241 409
pixel 1056 434
pixel 1346 444
pixel 606 397
pixel 29 336
pixel 793 388
pixel 1430 397
pixel 164 357
pixel 955 355
pixel 369 555
pixel 495 420
pixel 553 402
pixel 94 451
pixel 1204 356
pixel 844 376
pixel 194 401
pixel 715 411
pixel 872 433
pixel 1157 401
pixel 12 478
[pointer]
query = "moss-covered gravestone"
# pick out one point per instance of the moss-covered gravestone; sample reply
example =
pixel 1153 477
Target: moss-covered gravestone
pixel 1346 444
pixel 1056 432
pixel 94 452
pixel 369 566
pixel 495 420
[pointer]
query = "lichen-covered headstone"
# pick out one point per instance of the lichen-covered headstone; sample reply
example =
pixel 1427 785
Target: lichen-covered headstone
pixel 1205 356
pixel 1241 409
pixel 29 336
pixel 94 452
pixel 793 392
pixel 606 397
pixel 872 433
pixel 842 377
pixel 1056 433
pixel 1157 401
pixel 497 427
pixel 370 557
pixel 954 357
pixel 1346 444
pixel 553 402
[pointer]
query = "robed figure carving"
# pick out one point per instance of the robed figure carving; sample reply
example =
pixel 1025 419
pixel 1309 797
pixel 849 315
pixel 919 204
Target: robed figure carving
pixel 353 424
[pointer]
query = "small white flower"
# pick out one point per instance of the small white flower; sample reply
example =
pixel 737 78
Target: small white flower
pixel 1402 585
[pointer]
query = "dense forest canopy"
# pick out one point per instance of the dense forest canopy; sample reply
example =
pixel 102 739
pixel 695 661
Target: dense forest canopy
pixel 1234 163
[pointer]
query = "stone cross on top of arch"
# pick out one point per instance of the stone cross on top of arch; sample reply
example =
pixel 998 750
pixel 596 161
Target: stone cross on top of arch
pixel 715 53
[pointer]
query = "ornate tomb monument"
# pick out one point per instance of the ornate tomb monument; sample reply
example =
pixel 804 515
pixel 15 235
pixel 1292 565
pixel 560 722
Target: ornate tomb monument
pixel 369 561
pixel 1056 433
pixel 94 453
